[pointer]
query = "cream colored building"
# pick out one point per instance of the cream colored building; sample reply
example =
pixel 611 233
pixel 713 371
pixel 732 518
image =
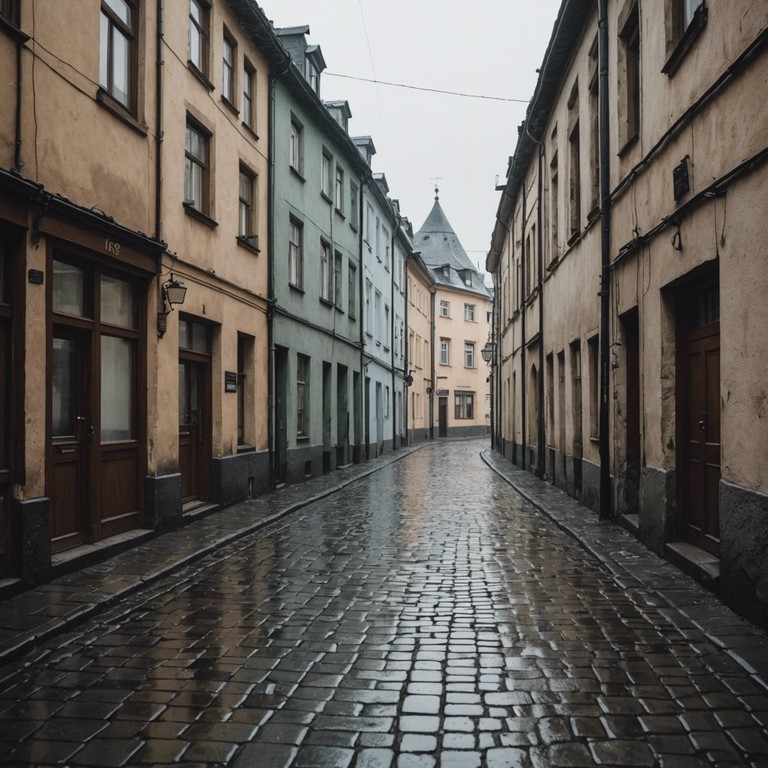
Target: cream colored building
pixel 631 345
pixel 421 362
pixel 133 157
pixel 462 315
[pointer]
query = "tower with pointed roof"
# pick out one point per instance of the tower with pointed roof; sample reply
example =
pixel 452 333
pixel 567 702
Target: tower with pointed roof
pixel 463 306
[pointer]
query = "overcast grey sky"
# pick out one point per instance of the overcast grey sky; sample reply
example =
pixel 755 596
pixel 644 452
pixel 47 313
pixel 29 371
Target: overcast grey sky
pixel 484 47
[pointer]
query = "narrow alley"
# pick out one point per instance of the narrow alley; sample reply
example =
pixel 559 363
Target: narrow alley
pixel 424 615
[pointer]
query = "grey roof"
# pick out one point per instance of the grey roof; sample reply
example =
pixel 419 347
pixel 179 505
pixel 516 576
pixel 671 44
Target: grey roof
pixel 444 254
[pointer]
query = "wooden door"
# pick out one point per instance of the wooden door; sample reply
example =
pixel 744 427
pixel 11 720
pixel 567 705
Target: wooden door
pixel 194 437
pixel 700 463
pixel 6 474
pixel 71 436
pixel 442 417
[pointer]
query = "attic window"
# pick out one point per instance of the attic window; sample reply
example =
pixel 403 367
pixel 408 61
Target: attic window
pixel 466 276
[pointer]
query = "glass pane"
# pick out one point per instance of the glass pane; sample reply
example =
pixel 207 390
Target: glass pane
pixel 183 334
pixel 64 387
pixel 199 338
pixel 121 67
pixel 118 303
pixel 116 389
pixel 193 184
pixel 68 289
pixel 195 46
pixel 121 9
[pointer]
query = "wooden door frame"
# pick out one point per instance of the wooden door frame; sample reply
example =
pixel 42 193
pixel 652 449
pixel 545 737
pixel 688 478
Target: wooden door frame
pixel 206 423
pixel 683 337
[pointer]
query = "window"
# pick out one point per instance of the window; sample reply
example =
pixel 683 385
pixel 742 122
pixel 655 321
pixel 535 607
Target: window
pixel 553 202
pixel 629 87
pixel 593 351
pixel 117 55
pixel 249 86
pixel 354 205
pixel 684 20
pixel 339 199
pixel 386 243
pixel 296 148
pixel 245 226
pixel 469 354
pixel 229 57
pixel 326 284
pixel 326 165
pixel 377 317
pixel 466 276
pixel 368 224
pixel 385 333
pixel 445 308
pixel 295 254
pixel 464 405
pixel 368 307
pixel 469 312
pixel 574 165
pixel 245 347
pixel 337 276
pixel 594 132
pixel 196 170
pixel 352 290
pixel 10 10
pixel 198 35
pixel 445 351
pixel 302 396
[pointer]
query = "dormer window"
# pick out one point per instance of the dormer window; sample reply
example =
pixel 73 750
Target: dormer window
pixel 466 276
pixel 313 77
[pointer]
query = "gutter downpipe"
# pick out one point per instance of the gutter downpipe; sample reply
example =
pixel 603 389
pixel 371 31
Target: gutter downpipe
pixel 19 72
pixel 406 361
pixel 432 371
pixel 606 512
pixel 392 335
pixel 363 449
pixel 523 356
pixel 159 93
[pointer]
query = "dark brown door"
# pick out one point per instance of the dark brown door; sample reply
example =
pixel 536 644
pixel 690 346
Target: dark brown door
pixel 442 417
pixel 6 475
pixel 72 436
pixel 194 438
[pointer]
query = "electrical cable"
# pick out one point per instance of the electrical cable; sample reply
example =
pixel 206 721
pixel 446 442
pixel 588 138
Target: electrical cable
pixel 428 90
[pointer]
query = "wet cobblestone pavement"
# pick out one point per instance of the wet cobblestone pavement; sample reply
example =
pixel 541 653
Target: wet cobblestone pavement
pixel 427 615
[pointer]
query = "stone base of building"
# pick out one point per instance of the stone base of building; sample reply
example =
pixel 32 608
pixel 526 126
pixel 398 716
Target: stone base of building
pixel 657 507
pixel 744 551
pixel 239 477
pixel 418 435
pixel 36 550
pixel 162 501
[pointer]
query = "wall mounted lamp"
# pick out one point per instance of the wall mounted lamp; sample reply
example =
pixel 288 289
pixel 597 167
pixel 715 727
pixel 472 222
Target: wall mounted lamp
pixel 173 292
pixel 487 351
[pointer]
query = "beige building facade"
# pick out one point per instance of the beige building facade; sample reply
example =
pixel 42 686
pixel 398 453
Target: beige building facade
pixel 630 344
pixel 133 162
pixel 421 361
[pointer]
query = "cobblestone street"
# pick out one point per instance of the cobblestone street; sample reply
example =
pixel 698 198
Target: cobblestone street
pixel 425 615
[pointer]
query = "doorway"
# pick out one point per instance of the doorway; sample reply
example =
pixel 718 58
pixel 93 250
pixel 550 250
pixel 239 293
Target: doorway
pixel 194 410
pixel 442 417
pixel 698 408
pixel 631 335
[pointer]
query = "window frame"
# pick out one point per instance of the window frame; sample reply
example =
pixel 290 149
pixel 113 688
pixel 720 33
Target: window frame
pixel 463 406
pixel 339 189
pixel 296 254
pixel 107 58
pixel 326 174
pixel 445 308
pixel 246 204
pixel 469 354
pixel 247 114
pixel 630 98
pixel 469 313
pixel 326 273
pixel 228 68
pixel 202 162
pixel 296 147
pixel 203 27
pixel 445 350
pixel 302 400
pixel 351 290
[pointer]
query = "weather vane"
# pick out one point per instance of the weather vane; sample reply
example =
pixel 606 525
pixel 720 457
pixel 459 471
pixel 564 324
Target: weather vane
pixel 437 189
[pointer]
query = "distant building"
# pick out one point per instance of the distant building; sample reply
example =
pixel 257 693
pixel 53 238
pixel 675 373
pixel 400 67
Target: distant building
pixel 630 274
pixel 462 320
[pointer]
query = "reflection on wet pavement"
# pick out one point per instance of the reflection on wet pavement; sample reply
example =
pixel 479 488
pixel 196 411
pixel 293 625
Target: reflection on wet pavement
pixel 423 616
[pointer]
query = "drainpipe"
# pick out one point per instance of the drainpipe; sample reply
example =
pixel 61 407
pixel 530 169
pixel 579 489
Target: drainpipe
pixel 20 39
pixel 392 334
pixel 432 371
pixel 523 356
pixel 406 360
pixel 160 64
pixel 361 249
pixel 541 463
pixel 605 253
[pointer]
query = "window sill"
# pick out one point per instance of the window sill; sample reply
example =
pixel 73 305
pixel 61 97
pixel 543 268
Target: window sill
pixel 302 438
pixel 628 144
pixel 326 197
pixel 12 30
pixel 230 106
pixel 120 112
pixel 694 29
pixel 297 174
pixel 246 243
pixel 296 288
pixel 353 226
pixel 200 75
pixel 328 303
pixel 250 130
pixel 340 213
pixel 203 218
pixel 246 449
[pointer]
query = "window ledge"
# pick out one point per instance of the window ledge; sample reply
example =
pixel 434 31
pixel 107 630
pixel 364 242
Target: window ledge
pixel 353 226
pixel 120 112
pixel 246 449
pixel 327 302
pixel 200 76
pixel 698 22
pixel 297 173
pixel 246 243
pixel 296 288
pixel 190 210
pixel 12 30
pixel 230 106
pixel 326 197
pixel 340 213
pixel 302 438
pixel 250 130
pixel 628 144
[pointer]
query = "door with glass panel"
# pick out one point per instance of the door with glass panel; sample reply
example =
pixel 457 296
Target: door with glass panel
pixel 72 435
pixel 96 455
